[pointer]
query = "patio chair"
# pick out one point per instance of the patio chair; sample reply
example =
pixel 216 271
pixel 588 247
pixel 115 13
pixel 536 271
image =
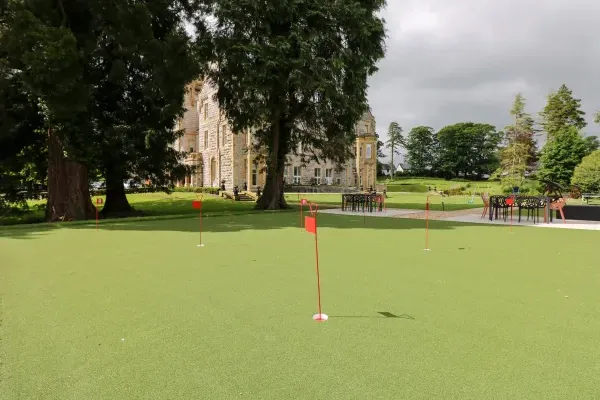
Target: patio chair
pixel 558 205
pixel 486 204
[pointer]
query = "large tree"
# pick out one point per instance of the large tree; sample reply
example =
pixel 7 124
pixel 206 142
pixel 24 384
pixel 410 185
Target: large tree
pixel 22 142
pixel 591 143
pixel 108 79
pixel 562 110
pixel 468 149
pixel 395 141
pixel 561 155
pixel 420 153
pixel 147 61
pixel 519 152
pixel 587 173
pixel 295 72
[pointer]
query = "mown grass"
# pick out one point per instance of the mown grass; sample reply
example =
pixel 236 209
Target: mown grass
pixel 137 311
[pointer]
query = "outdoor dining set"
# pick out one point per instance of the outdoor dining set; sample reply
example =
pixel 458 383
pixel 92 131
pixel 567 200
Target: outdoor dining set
pixel 363 202
pixel 501 207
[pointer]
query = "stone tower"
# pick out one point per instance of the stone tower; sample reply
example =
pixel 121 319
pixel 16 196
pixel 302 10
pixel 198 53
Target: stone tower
pixel 366 151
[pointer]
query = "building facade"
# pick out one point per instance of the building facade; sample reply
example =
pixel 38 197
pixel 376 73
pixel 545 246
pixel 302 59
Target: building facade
pixel 221 155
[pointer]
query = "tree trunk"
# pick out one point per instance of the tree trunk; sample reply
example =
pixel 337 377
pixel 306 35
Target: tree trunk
pixel 68 190
pixel 272 197
pixel 116 203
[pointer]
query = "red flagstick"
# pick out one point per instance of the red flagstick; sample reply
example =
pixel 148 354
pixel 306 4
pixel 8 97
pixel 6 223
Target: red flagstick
pixel 427 224
pixel 197 204
pixel 300 211
pixel 311 227
pixel 510 202
pixel 302 203
pixel 98 202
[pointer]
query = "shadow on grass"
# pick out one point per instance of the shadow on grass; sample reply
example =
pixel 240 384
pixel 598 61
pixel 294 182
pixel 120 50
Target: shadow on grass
pixel 383 315
pixel 233 222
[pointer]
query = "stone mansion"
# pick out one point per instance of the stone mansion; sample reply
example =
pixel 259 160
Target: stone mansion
pixel 221 155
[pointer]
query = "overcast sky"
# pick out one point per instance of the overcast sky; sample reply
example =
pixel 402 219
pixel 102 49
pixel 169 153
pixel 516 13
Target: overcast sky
pixel 464 60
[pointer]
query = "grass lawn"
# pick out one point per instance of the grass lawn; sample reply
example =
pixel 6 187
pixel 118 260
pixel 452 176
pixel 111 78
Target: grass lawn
pixel 162 204
pixel 154 204
pixel 137 311
pixel 413 201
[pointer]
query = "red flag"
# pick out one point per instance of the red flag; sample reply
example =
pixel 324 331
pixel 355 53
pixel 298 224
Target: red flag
pixel 304 201
pixel 197 204
pixel 99 201
pixel 510 201
pixel 310 223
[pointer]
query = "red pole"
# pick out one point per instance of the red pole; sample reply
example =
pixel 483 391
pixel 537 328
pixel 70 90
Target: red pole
pixel 427 224
pixel 318 275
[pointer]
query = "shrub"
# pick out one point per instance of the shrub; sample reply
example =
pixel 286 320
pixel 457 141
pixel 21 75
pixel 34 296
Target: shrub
pixel 207 190
pixel 152 189
pixel 587 173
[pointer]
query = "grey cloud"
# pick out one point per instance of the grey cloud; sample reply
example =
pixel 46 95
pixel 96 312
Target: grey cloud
pixel 452 61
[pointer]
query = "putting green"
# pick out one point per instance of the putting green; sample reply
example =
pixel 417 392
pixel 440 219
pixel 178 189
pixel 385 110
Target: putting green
pixel 137 311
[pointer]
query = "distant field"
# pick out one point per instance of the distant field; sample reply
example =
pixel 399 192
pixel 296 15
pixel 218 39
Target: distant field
pixel 422 184
pixel 412 201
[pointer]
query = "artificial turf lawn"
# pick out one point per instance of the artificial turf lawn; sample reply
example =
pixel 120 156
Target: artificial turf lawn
pixel 137 311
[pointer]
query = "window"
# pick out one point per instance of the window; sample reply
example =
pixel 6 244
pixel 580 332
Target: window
pixel 191 148
pixel 254 174
pixel 339 181
pixel 296 175
pixel 205 140
pixel 286 173
pixel 369 151
pixel 223 133
pixel 318 176
pixel 328 176
pixel 360 151
pixel 206 110
pixel 367 128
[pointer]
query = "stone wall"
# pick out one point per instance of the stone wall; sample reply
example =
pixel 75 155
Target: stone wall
pixel 227 160
pixel 216 151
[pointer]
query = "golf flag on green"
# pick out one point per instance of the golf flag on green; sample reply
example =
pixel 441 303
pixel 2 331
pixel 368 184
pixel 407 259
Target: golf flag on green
pixel 310 224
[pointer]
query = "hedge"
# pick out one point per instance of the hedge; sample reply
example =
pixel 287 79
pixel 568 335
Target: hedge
pixel 209 190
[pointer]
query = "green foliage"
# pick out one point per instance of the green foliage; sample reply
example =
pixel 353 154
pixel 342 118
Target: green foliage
pixel 295 72
pixel 22 142
pixel 562 110
pixel 561 155
pixel 587 173
pixel 519 152
pixel 420 149
pixel 380 146
pixel 395 140
pixel 597 117
pixel 591 143
pixel 468 148
pixel 107 77
pixel 525 187
pixel 207 190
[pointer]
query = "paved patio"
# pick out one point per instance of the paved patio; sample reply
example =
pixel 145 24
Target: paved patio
pixel 472 216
